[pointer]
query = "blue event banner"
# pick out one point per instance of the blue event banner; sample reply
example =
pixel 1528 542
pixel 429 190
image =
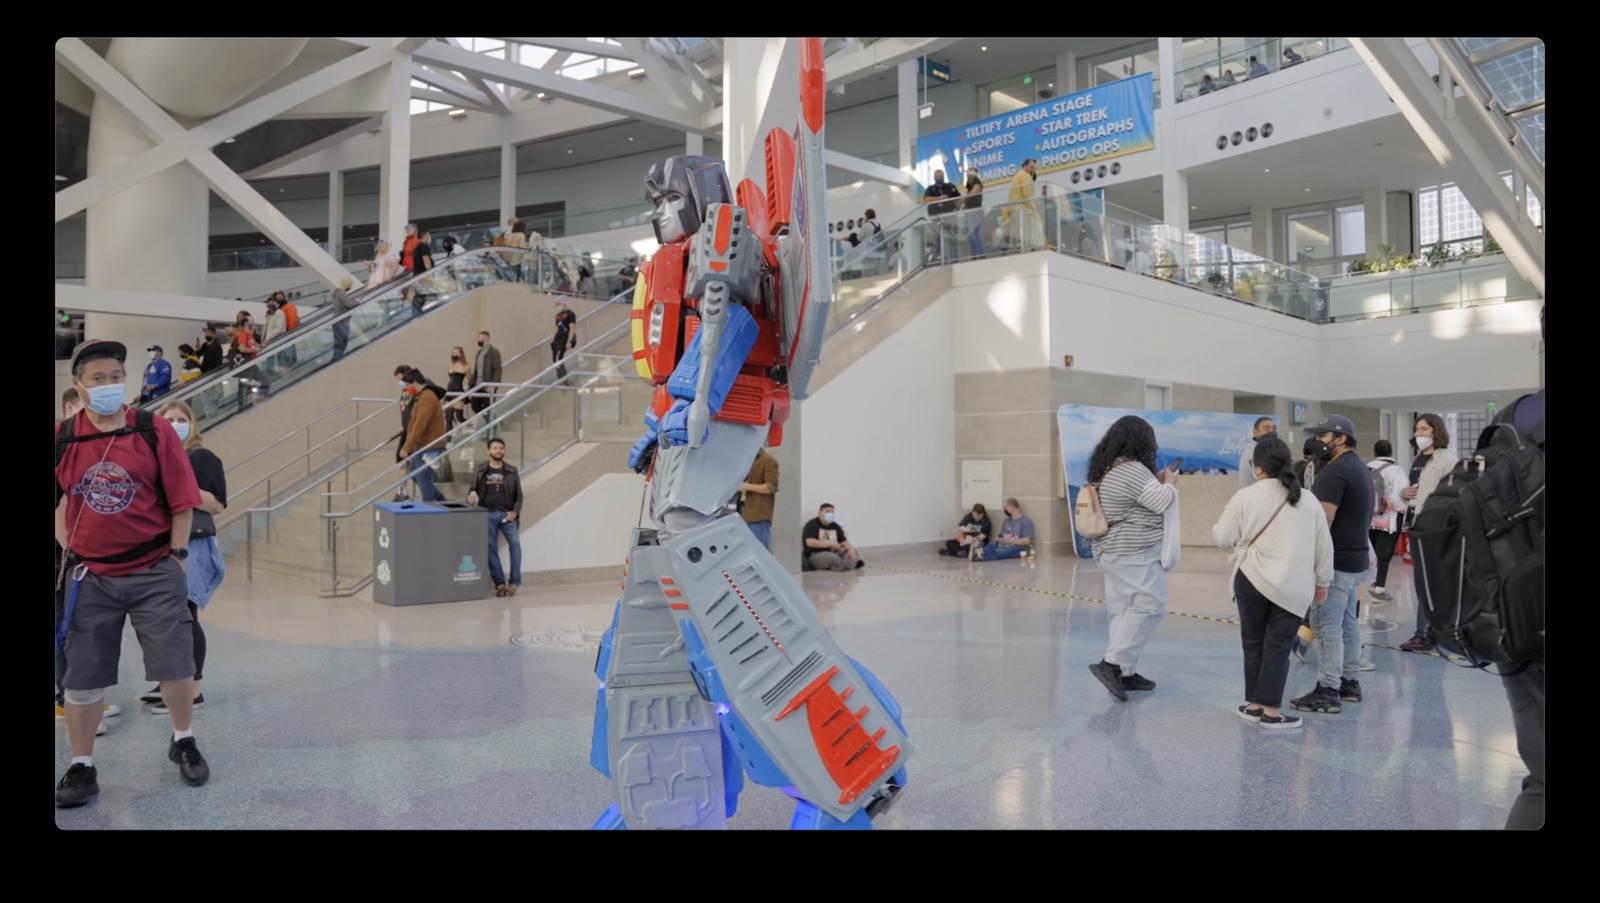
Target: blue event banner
pixel 1111 120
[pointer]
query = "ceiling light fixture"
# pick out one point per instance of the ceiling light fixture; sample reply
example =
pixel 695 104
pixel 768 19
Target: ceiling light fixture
pixel 636 73
pixel 569 150
pixel 1266 170
pixel 630 138
pixel 984 49
pixel 458 114
pixel 229 140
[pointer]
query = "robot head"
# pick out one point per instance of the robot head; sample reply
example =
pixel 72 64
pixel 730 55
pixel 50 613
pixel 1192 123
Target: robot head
pixel 682 188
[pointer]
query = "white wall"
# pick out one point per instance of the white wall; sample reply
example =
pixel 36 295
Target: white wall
pixel 1294 100
pixel 591 530
pixel 1446 352
pixel 879 439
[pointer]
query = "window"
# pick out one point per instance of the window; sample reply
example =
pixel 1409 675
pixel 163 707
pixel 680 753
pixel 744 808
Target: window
pixel 1311 236
pixel 529 55
pixel 1352 225
pixel 1447 216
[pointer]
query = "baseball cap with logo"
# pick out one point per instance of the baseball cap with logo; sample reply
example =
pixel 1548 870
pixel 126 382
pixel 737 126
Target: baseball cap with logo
pixel 95 349
pixel 156 348
pixel 1333 423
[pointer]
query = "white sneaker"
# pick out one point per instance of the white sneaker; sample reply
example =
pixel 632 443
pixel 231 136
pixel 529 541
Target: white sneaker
pixel 1367 665
pixel 100 730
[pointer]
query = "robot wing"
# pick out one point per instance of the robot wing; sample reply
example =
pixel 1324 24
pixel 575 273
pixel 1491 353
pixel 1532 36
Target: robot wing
pixel 806 290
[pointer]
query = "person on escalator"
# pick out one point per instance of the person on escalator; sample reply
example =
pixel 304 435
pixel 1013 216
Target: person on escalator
pixel 210 352
pixel 190 371
pixel 342 304
pixel 565 339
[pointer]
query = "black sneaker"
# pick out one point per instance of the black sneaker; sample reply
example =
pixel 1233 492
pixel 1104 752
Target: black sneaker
pixel 78 786
pixel 1251 715
pixel 160 708
pixel 152 695
pixel 1350 690
pixel 192 766
pixel 1111 676
pixel 1279 722
pixel 1137 682
pixel 1321 700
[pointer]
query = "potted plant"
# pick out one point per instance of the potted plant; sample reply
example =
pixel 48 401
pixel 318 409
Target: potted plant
pixel 1438 254
pixel 1244 289
pixel 1360 265
pixel 1490 246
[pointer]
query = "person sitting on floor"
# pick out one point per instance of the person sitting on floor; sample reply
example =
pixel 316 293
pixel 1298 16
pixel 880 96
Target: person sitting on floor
pixel 1016 536
pixel 975 529
pixel 826 548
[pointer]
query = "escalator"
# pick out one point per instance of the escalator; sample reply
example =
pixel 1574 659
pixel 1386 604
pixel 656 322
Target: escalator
pixel 326 334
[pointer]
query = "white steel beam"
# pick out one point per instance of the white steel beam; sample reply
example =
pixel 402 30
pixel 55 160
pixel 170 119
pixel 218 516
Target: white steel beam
pixel 874 171
pixel 1457 148
pixel 394 168
pixel 708 93
pixel 498 100
pixel 315 147
pixel 508 73
pixel 677 88
pixel 578 45
pixel 155 122
pixel 449 83
pixel 557 61
pixel 94 71
pixel 883 55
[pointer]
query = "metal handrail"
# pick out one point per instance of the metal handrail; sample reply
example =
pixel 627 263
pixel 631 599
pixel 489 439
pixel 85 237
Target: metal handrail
pixel 493 418
pixel 516 400
pixel 324 415
pixel 307 454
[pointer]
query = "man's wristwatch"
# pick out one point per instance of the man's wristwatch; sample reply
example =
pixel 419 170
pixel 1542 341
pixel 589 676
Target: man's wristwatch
pixel 180 554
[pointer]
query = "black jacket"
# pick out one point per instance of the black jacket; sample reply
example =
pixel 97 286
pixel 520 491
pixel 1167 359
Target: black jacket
pixel 513 486
pixel 210 356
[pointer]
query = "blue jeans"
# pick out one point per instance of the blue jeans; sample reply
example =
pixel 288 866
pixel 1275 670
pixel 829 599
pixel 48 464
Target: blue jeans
pixel 763 531
pixel 424 475
pixel 1422 603
pixel 513 534
pixel 1338 634
pixel 205 569
pixel 993 552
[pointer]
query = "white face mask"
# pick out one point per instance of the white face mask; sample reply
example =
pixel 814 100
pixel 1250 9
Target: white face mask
pixel 152 355
pixel 1424 443
pixel 401 383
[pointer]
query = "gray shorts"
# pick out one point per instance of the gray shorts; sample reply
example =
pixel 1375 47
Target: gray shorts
pixel 155 600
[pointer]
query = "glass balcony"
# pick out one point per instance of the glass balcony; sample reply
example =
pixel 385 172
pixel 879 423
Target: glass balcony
pixel 1230 65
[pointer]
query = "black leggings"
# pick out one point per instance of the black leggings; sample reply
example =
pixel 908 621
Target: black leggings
pixel 199 641
pixel 1266 631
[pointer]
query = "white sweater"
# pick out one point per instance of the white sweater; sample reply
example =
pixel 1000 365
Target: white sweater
pixel 1293 557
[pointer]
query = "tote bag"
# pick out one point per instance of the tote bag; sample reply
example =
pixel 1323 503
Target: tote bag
pixel 1171 537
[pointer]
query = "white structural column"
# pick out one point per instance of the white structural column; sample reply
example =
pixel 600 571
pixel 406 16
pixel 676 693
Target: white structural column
pixel 1169 56
pixel 1066 73
pixel 394 167
pixel 508 172
pixel 1375 207
pixel 1262 242
pixel 1174 184
pixel 171 203
pixel 760 92
pixel 906 116
pixel 335 204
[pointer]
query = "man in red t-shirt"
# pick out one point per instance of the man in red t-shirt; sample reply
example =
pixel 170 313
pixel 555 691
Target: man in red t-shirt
pixel 123 513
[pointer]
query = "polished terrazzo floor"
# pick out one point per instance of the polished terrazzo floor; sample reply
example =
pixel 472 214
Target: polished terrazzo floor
pixel 341 713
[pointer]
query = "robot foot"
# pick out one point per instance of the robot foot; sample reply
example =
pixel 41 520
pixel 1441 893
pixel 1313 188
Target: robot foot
pixel 611 820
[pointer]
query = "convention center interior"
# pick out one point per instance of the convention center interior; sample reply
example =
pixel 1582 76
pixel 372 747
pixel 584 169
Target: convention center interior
pixel 799 433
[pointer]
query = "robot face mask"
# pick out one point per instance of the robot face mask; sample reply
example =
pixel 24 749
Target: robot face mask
pixel 682 188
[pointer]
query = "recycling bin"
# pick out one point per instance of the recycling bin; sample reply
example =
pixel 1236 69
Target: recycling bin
pixel 429 552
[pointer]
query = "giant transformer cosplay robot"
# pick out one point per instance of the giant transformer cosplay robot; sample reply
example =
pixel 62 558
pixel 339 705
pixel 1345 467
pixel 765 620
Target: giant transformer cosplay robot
pixel 715 665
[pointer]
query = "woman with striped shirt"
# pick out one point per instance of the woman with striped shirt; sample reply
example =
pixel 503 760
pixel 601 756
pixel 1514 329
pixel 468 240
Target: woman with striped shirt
pixel 1133 495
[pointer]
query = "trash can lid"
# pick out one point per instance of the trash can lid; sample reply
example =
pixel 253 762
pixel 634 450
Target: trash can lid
pixel 409 507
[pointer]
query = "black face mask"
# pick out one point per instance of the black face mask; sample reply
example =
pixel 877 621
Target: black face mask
pixel 455 357
pixel 480 343
pixel 1321 451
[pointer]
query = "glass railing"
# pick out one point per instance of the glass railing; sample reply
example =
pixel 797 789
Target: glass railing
pixel 593 395
pixel 1072 223
pixel 1456 283
pixel 326 334
pixel 1230 65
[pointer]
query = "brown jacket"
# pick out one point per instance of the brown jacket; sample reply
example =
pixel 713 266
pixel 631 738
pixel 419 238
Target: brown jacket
pixel 427 423
pixel 758 506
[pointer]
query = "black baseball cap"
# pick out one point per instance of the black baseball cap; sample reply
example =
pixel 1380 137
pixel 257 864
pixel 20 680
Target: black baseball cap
pixel 1333 423
pixel 95 349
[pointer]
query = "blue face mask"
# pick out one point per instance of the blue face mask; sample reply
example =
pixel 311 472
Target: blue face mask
pixel 106 400
pixel 827 518
pixel 183 431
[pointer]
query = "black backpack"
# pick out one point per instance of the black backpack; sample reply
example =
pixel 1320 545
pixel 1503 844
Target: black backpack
pixel 145 425
pixel 1479 548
